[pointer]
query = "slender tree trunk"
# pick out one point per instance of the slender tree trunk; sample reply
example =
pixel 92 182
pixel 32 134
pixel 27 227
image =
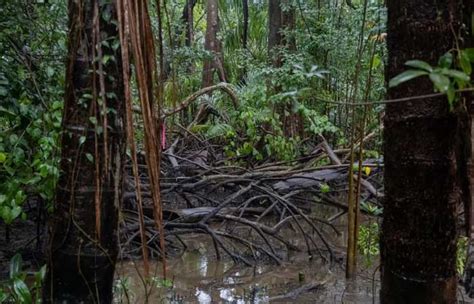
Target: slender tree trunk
pixel 275 26
pixel 216 63
pixel 188 20
pixel 245 36
pixel 212 45
pixel 281 21
pixel 245 33
pixel 83 236
pixel 425 159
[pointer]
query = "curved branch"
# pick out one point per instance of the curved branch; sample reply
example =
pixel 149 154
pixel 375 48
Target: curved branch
pixel 224 86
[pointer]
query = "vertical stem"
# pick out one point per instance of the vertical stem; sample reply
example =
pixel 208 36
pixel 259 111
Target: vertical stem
pixel 351 262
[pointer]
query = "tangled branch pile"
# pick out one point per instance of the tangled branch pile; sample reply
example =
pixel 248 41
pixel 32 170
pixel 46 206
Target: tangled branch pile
pixel 249 213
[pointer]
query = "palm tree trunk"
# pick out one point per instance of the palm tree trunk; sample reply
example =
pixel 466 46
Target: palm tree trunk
pixel 83 235
pixel 425 158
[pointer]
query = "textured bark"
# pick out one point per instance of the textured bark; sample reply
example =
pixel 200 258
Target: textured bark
pixel 212 45
pixel 275 28
pixel 214 64
pixel 83 242
pixel 280 21
pixel 188 20
pixel 245 34
pixel 425 161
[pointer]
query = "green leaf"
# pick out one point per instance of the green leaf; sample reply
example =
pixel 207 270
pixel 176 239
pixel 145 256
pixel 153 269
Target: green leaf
pixel 3 157
pixel 465 62
pixel 15 266
pixel 440 81
pixel 90 157
pixel 406 76
pixel 15 212
pixel 3 296
pixel 7 112
pixel 50 71
pixel 376 62
pixel 469 53
pixel 446 61
pixel 422 65
pixel 41 274
pixel 325 188
pixel 22 291
pixel 458 75
pixel 106 59
pixel 82 139
pixel 13 139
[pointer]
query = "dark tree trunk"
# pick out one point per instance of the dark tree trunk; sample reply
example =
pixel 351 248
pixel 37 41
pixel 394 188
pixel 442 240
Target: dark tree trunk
pixel 425 160
pixel 245 36
pixel 245 33
pixel 281 21
pixel 275 26
pixel 188 19
pixel 83 235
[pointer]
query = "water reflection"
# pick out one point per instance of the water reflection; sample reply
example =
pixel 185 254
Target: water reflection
pixel 203 265
pixel 199 278
pixel 203 297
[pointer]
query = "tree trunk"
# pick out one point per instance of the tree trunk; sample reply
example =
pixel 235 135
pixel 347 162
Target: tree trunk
pixel 275 26
pixel 216 62
pixel 83 235
pixel 425 158
pixel 212 45
pixel 188 19
pixel 245 33
pixel 280 21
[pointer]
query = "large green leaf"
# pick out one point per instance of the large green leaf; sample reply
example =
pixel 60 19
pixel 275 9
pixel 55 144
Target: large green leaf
pixel 465 62
pixel 458 75
pixel 440 81
pixel 3 296
pixel 419 64
pixel 22 292
pixel 406 76
pixel 15 266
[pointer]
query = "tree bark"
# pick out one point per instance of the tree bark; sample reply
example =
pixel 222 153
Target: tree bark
pixel 212 45
pixel 425 160
pixel 188 19
pixel 245 33
pixel 216 62
pixel 280 21
pixel 83 230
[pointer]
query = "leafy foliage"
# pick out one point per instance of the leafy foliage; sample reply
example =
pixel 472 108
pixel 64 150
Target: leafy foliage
pixel 445 79
pixel 368 242
pixel 16 289
pixel 31 86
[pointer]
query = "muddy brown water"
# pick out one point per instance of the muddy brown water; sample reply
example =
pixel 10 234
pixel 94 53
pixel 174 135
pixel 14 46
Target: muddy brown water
pixel 198 277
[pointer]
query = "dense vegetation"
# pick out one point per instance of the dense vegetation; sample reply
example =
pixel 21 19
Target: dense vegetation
pixel 266 83
pixel 321 68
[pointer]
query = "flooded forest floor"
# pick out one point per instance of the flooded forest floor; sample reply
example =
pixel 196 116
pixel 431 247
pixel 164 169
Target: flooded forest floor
pixel 272 232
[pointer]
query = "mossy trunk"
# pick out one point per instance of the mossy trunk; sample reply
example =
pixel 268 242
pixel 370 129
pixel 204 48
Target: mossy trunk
pixel 425 160
pixel 83 230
